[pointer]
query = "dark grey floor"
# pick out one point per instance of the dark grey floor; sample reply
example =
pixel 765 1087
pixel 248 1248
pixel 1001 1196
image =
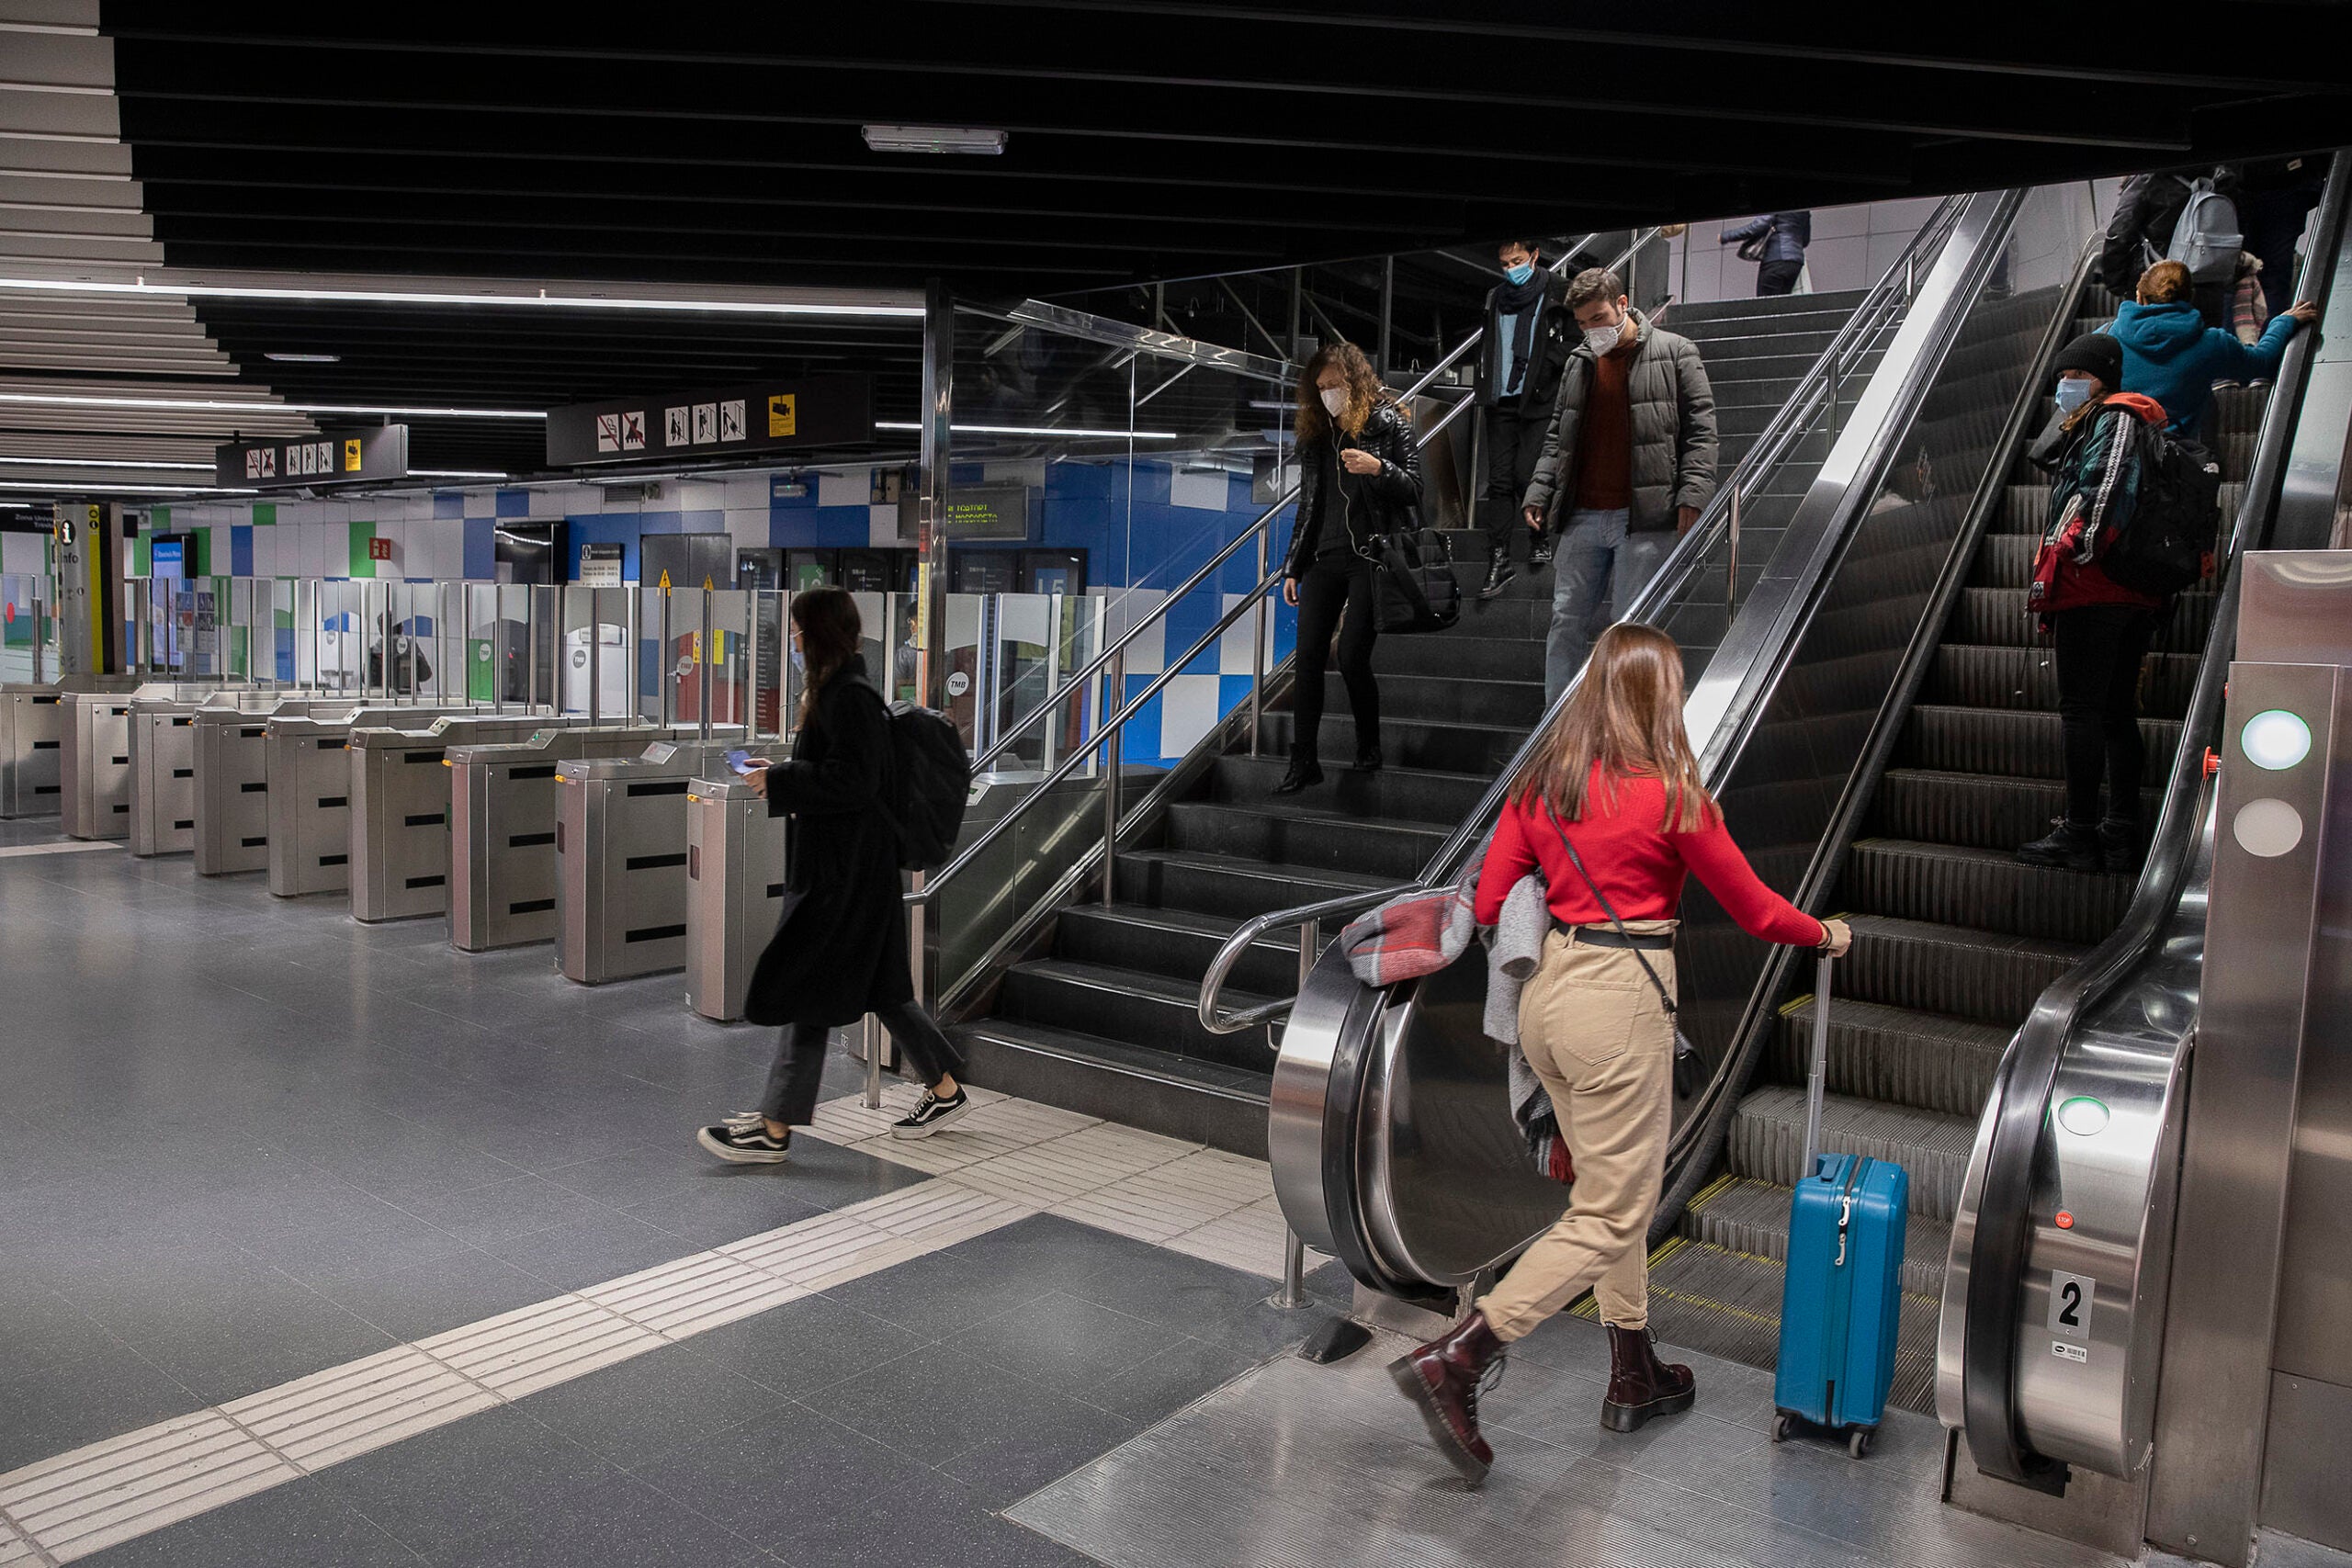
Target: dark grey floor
pixel 884 1421
pixel 247 1139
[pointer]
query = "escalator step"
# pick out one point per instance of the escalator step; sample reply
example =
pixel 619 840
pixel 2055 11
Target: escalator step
pixel 1893 1056
pixel 1986 889
pixel 2011 741
pixel 1980 974
pixel 1767 1141
pixel 1989 811
pixel 1740 1216
pixel 1978 675
pixel 1997 616
pixel 1725 1304
pixel 2025 508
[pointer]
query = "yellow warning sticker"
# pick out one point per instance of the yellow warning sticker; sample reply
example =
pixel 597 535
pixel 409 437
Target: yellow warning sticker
pixel 665 582
pixel 784 414
pixel 351 454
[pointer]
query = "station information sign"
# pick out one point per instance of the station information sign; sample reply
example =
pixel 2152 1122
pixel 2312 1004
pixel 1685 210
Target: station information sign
pixel 770 416
pixel 363 457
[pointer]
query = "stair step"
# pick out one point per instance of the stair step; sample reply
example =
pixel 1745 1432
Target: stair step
pixel 1405 794
pixel 1982 889
pixel 1282 833
pixel 1998 740
pixel 1481 748
pixel 1463 658
pixel 1893 1056
pixel 1959 971
pixel 1174 942
pixel 1456 698
pixel 1968 674
pixel 1989 811
pixel 1510 618
pixel 1155 1011
pixel 1159 1091
pixel 1743 1215
pixel 1770 308
pixel 1223 884
pixel 1767 1141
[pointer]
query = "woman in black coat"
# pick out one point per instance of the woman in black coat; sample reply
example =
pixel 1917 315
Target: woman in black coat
pixel 1360 477
pixel 841 950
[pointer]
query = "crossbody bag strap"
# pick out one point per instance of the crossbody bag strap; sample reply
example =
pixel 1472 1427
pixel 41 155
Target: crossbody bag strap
pixel 1577 861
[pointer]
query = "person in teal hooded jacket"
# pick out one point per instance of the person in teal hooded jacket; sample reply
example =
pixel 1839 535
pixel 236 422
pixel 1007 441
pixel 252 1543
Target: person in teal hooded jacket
pixel 2171 355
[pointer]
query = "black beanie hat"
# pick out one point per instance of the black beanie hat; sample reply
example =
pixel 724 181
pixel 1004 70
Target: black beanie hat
pixel 2097 353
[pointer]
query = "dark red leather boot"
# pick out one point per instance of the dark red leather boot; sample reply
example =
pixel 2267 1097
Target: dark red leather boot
pixel 1639 1385
pixel 1443 1377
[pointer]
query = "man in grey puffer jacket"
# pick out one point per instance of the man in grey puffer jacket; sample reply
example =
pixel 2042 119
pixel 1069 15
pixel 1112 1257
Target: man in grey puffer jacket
pixel 1631 454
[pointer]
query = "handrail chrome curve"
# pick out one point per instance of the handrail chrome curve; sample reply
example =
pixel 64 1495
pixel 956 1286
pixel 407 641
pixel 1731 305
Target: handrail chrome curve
pixel 2004 1229
pixel 1788 426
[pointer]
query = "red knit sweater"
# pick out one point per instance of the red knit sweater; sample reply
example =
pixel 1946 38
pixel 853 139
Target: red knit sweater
pixel 1624 842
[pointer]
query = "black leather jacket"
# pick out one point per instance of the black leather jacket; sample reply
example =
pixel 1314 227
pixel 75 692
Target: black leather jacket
pixel 1377 503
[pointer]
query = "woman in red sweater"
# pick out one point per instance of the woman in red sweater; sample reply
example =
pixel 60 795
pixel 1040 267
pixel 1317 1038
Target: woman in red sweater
pixel 1616 779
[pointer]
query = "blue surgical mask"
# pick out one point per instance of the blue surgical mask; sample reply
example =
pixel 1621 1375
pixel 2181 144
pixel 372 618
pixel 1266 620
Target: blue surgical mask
pixel 1520 272
pixel 2073 392
pixel 799 660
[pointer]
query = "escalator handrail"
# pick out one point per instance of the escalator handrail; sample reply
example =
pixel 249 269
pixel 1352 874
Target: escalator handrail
pixel 932 886
pixel 1790 425
pixel 2003 1230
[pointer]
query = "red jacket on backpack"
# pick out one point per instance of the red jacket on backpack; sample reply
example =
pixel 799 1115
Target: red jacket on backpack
pixel 2093 485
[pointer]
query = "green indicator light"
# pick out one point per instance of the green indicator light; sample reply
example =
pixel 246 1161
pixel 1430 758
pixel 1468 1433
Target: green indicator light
pixel 2276 740
pixel 2081 1115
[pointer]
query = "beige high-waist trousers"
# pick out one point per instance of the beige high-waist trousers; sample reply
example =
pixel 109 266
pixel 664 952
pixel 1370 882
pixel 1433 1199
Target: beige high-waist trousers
pixel 1595 1031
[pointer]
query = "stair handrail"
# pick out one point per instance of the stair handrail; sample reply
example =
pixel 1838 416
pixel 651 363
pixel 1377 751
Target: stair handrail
pixel 2004 1229
pixel 1104 732
pixel 1814 389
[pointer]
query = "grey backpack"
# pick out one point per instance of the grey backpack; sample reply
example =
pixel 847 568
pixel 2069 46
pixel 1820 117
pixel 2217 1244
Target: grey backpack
pixel 2208 238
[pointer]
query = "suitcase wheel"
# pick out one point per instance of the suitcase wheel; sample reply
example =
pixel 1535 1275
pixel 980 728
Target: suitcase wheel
pixel 1859 1443
pixel 1783 1425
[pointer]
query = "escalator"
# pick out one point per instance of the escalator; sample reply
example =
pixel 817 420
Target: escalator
pixel 1880 726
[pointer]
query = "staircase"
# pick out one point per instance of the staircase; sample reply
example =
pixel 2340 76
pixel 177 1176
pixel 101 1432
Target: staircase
pixel 1953 941
pixel 1102 1016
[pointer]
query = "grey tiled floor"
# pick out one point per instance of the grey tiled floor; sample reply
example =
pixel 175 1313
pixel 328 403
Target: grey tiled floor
pixel 822 1432
pixel 247 1139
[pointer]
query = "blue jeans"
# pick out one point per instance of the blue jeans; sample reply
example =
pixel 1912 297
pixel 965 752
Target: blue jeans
pixel 1600 567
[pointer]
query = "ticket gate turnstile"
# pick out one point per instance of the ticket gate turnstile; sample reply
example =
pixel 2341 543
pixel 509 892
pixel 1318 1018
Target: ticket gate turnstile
pixel 32 741
pixel 233 778
pixel 164 761
pixel 95 761
pixel 310 793
pixel 620 850
pixel 400 804
pixel 734 891
pixel 502 829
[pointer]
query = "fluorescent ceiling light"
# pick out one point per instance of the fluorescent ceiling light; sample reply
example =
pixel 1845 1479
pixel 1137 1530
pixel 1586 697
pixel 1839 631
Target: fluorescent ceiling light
pixel 1073 432
pixel 456 474
pixel 963 139
pixel 53 488
pixel 226 405
pixel 542 300
pixel 106 463
pixel 305 358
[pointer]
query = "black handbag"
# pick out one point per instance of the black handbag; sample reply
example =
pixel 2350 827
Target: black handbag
pixel 1686 1056
pixel 1414 588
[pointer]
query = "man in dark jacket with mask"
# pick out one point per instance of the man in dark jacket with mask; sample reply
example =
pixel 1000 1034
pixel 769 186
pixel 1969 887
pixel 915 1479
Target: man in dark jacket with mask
pixel 1528 331
pixel 1627 462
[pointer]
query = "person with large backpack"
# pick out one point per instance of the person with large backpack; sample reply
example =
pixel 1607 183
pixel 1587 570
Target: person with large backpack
pixel 2188 216
pixel 840 949
pixel 2113 473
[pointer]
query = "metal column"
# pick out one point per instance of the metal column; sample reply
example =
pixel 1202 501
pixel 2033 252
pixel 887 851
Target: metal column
pixel 931 491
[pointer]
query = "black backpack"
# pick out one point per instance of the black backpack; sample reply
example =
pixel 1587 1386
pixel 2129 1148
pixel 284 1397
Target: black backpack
pixel 2168 543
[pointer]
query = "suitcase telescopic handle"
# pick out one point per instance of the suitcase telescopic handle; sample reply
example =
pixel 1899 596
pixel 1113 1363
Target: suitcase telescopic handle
pixel 1816 1081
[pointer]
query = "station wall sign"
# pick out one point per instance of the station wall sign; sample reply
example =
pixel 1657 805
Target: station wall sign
pixel 362 457
pixel 770 416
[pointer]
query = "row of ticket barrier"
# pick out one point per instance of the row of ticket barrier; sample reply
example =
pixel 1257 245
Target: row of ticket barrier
pixel 630 846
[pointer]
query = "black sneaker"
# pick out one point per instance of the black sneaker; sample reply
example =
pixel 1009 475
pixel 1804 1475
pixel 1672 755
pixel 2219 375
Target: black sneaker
pixel 2119 846
pixel 741 1144
pixel 1541 556
pixel 2069 845
pixel 1498 576
pixel 930 1114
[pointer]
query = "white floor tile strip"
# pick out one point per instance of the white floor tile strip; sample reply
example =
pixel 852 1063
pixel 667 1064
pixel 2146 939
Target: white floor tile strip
pixel 14 850
pixel 1008 1159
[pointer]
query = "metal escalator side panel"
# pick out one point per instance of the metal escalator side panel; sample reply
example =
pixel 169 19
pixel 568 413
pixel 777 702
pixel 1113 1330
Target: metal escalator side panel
pixel 1951 1319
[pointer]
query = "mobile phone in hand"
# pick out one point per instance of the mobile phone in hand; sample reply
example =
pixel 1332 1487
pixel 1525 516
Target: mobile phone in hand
pixel 743 763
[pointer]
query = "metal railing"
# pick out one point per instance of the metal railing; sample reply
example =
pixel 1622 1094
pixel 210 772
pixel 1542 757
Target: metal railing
pixel 1815 393
pixel 1112 657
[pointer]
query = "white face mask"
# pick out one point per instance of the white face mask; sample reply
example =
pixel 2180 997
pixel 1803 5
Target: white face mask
pixel 1335 400
pixel 1600 340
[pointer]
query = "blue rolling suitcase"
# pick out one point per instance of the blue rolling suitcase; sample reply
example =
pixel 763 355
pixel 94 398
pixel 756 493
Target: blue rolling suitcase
pixel 1842 1301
